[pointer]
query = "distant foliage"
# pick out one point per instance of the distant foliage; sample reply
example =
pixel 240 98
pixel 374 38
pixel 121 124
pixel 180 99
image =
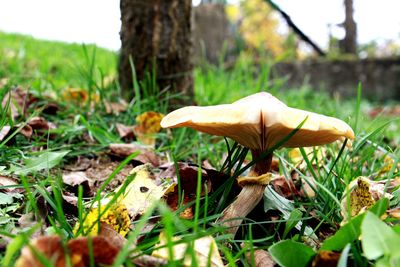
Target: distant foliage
pixel 259 27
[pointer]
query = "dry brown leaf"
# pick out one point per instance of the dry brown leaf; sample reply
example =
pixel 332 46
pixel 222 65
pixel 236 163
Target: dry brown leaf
pixel 115 107
pixel 27 220
pixel 124 131
pixel 188 182
pixel 394 213
pixel 326 259
pixel 294 186
pixel 41 124
pixel 97 171
pixel 52 248
pixel 308 187
pixel 261 259
pixel 385 111
pixel 112 236
pixel 75 178
pixel 26 130
pixel 9 182
pixel 148 124
pixel 146 155
pixel 284 187
pixel 50 108
pixel 81 164
pixel 70 198
pixel 205 250
pixel 19 100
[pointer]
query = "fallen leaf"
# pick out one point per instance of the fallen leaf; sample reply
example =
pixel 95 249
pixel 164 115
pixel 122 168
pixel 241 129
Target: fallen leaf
pixel 149 261
pixel 144 190
pixel 52 248
pixel 146 155
pixel 326 259
pixel 260 258
pixel 40 124
pixel 27 220
pixel 112 236
pixel 8 183
pixel 76 178
pixel 388 163
pixel 97 171
pixel 3 82
pixel 205 249
pixel 115 215
pixel 188 183
pixel 70 198
pixel 81 164
pixel 26 130
pixel 4 131
pixel 315 156
pixel 148 124
pixel 50 108
pixel 363 193
pixel 18 100
pixel 284 187
pixel 80 97
pixel 115 107
pixel 125 132
pixel 294 186
pixel 393 111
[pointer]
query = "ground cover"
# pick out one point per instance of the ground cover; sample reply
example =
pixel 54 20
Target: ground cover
pixel 71 151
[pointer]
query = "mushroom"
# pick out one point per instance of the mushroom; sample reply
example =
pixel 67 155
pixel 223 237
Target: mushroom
pixel 259 122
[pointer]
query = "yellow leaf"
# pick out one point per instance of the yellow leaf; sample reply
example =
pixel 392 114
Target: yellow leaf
pixel 388 163
pixel 144 190
pixel 363 193
pixel 205 250
pixel 148 124
pixel 79 95
pixel 115 215
pixel 314 155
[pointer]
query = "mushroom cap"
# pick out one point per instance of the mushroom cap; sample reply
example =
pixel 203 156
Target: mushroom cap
pixel 259 122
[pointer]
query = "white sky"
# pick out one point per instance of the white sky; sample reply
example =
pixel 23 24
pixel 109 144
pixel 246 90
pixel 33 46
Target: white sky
pixel 98 21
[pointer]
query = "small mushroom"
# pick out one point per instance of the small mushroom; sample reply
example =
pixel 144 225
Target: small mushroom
pixel 258 122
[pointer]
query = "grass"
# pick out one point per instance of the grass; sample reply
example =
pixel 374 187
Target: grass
pixel 46 69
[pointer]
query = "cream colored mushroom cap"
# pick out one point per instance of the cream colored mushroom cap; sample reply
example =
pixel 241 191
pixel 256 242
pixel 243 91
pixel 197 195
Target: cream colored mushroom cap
pixel 259 122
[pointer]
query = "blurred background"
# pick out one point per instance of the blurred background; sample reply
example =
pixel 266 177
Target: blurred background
pixel 307 41
pixel 99 22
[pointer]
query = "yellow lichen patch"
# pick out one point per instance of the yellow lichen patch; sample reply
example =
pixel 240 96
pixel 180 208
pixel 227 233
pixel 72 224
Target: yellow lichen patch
pixel 147 124
pixel 116 215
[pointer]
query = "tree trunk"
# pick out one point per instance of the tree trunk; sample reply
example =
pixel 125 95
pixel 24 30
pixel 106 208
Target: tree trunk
pixel 349 43
pixel 156 35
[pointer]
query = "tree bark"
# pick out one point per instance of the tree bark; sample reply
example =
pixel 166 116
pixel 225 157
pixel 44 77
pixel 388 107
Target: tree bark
pixel 349 43
pixel 156 35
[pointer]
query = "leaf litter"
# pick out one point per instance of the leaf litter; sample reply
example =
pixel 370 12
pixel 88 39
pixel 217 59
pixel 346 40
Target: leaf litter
pixel 154 181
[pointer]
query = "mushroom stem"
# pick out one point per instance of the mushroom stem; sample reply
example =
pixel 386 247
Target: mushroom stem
pixel 262 166
pixel 248 198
